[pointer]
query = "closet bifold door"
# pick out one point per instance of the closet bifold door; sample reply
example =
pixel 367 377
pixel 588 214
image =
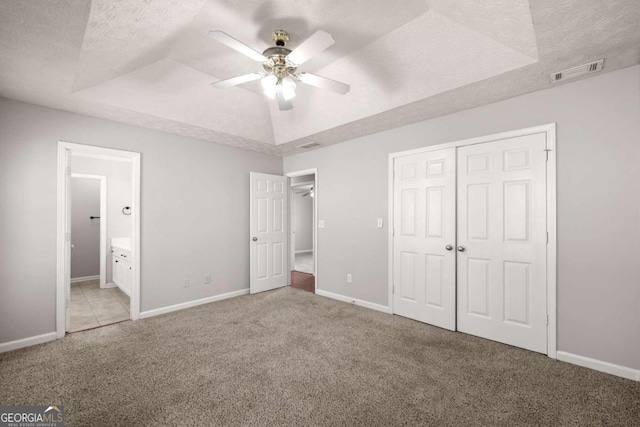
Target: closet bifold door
pixel 424 257
pixel 501 248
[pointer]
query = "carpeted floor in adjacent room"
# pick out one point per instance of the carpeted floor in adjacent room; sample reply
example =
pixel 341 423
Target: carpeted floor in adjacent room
pixel 289 357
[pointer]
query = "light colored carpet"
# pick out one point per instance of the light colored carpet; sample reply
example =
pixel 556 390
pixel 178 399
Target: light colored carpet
pixel 289 357
pixel 304 262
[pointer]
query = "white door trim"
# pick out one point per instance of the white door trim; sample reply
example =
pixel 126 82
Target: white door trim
pixel 103 223
pixel 62 264
pixel 550 131
pixel 313 171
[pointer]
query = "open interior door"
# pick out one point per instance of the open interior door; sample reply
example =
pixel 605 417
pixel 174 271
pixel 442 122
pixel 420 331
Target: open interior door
pixel 268 232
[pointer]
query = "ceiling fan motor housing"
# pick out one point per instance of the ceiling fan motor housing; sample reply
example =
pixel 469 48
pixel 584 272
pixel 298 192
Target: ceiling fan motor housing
pixel 277 55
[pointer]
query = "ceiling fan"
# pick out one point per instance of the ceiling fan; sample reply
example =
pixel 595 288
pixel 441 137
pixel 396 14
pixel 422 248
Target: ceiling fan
pixel 280 66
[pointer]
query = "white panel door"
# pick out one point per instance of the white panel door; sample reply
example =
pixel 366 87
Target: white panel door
pixel 502 240
pixel 268 232
pixel 424 257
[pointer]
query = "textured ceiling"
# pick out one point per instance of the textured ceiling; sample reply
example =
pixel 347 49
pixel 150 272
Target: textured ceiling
pixel 429 55
pixel 150 63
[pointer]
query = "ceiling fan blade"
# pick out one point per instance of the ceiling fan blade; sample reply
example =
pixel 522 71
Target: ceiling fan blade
pixel 283 104
pixel 319 41
pixel 223 84
pixel 229 41
pixel 324 83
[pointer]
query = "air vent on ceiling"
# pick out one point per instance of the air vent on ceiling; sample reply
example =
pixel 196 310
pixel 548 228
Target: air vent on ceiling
pixel 309 145
pixel 578 71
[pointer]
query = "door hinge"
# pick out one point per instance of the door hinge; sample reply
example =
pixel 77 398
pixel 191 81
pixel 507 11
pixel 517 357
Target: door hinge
pixel 393 289
pixel 68 237
pixel 66 302
pixel 546 151
pixel 547 237
pixel 69 170
pixel 393 231
pixel 547 320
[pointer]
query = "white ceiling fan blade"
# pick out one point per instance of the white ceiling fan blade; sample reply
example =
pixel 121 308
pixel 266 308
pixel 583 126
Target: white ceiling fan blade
pixel 223 84
pixel 319 41
pixel 283 104
pixel 324 83
pixel 229 41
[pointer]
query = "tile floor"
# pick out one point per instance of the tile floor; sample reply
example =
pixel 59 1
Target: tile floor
pixel 91 306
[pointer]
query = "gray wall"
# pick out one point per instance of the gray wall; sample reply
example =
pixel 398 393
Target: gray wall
pixel 195 212
pixel 85 232
pixel 119 195
pixel 303 221
pixel 302 178
pixel 598 158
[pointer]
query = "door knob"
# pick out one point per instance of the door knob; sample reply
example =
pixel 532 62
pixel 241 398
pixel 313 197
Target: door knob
pixel 448 247
pixel 255 239
pixel 461 248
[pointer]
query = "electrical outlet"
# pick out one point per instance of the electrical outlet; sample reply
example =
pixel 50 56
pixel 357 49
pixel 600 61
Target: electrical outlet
pixel 321 223
pixel 349 278
pixel 185 282
pixel 379 222
pixel 207 279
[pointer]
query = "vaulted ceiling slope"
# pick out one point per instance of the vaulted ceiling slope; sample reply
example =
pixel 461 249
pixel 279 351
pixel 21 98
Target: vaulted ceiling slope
pixel 151 64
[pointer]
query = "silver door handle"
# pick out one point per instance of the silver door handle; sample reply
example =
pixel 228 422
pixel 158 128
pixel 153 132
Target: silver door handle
pixel 449 247
pixel 255 239
pixel 461 248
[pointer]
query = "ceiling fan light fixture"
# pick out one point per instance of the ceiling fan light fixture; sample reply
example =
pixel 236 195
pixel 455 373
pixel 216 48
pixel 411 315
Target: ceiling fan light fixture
pixel 270 85
pixel 288 87
pixel 281 76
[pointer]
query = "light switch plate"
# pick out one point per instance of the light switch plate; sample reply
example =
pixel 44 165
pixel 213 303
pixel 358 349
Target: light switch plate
pixel 321 223
pixel 380 222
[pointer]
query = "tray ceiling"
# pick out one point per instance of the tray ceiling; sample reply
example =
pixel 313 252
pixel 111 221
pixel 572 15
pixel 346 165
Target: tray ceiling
pixel 150 64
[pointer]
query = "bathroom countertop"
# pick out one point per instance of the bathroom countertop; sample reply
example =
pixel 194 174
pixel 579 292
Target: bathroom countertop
pixel 121 242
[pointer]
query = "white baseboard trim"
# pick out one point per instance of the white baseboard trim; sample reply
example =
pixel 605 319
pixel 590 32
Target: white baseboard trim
pixel 109 285
pixel 599 365
pixel 361 303
pixel 26 342
pixel 305 252
pixel 82 279
pixel 194 303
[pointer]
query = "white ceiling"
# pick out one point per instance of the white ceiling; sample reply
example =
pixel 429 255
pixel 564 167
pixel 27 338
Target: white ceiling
pixel 150 64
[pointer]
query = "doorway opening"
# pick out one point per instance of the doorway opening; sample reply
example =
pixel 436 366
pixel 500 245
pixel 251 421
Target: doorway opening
pixel 303 248
pixel 98 278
